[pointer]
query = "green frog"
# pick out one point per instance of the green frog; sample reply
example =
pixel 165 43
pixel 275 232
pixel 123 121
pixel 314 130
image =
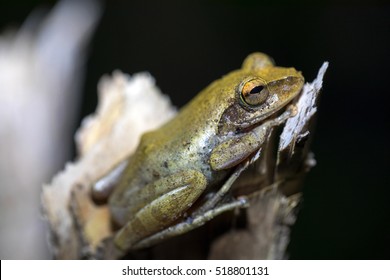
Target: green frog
pixel 180 174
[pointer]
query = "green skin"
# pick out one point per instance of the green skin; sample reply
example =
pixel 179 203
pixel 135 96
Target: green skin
pixel 212 137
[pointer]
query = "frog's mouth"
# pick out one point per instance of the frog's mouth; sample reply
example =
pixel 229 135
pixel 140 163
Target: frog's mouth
pixel 259 120
pixel 275 105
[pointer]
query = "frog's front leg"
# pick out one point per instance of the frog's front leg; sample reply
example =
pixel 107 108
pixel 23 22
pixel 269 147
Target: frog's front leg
pixel 237 150
pixel 183 190
pixel 234 151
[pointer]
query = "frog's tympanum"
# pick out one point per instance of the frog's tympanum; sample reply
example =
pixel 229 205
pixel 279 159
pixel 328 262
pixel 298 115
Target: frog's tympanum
pixel 201 149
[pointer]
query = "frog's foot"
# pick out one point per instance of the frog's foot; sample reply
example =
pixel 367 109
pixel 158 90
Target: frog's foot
pixel 102 189
pixel 218 196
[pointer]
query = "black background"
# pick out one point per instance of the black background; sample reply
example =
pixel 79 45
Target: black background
pixel 187 44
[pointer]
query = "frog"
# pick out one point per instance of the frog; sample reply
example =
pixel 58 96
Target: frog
pixel 181 174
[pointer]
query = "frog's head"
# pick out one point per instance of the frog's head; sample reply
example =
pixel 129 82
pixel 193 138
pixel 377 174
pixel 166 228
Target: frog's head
pixel 261 90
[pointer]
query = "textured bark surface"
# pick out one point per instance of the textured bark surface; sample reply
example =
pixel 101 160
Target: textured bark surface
pixel 130 106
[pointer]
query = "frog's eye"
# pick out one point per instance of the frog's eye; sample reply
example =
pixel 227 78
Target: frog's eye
pixel 254 92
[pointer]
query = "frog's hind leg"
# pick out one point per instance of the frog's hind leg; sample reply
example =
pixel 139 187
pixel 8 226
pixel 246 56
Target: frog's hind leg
pixel 190 223
pixel 209 210
pixel 172 196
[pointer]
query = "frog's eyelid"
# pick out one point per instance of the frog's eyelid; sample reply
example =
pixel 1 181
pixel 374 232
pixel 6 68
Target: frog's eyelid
pixel 251 78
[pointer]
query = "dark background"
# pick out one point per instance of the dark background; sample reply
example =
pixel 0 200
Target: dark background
pixel 187 44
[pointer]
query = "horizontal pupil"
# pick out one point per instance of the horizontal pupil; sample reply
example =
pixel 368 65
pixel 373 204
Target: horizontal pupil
pixel 255 90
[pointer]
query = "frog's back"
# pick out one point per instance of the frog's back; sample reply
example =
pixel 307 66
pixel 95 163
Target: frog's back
pixel 169 150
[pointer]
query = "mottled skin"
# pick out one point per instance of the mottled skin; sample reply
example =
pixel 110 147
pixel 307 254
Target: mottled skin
pixel 198 149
